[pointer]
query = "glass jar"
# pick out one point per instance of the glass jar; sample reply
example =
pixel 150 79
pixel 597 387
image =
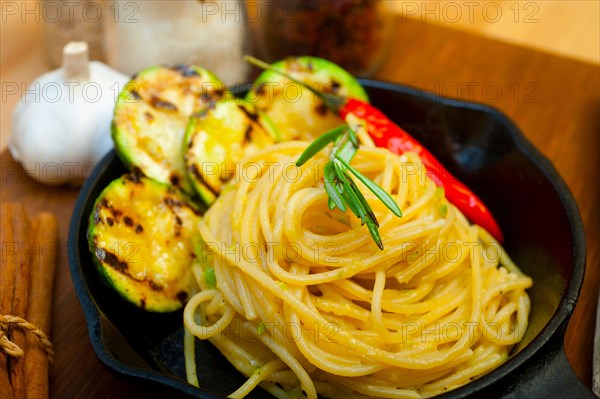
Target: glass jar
pixel 210 34
pixel 67 21
pixel 352 33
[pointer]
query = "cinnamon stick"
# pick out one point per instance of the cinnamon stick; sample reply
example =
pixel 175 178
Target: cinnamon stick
pixel 39 311
pixel 14 299
pixel 7 280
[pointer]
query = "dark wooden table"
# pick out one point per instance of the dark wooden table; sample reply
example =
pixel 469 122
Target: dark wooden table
pixel 555 101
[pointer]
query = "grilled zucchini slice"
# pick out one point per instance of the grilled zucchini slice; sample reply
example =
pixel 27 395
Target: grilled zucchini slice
pixel 142 235
pixel 296 111
pixel 217 138
pixel 151 115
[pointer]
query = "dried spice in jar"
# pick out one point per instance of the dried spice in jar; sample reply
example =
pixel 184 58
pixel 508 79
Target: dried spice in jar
pixel 352 33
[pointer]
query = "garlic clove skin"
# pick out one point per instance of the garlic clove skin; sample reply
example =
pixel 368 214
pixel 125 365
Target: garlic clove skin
pixel 62 131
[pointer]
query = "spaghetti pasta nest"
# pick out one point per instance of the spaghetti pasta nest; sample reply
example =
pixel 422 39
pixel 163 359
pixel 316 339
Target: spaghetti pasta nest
pixel 300 299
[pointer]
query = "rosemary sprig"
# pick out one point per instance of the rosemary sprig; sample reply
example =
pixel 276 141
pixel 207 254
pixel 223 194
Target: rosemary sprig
pixel 342 190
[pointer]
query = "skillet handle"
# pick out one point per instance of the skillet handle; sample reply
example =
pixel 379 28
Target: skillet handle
pixel 551 376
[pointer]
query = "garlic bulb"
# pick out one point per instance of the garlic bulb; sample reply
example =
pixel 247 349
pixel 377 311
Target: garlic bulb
pixel 61 127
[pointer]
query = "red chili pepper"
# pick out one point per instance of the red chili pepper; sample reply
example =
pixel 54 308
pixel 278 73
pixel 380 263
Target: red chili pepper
pixel 386 133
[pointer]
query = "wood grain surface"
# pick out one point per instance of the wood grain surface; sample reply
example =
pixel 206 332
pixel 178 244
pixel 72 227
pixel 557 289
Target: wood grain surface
pixel 536 24
pixel 555 102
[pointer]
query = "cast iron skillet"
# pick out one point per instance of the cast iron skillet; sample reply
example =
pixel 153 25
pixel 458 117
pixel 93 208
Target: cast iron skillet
pixel 483 148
